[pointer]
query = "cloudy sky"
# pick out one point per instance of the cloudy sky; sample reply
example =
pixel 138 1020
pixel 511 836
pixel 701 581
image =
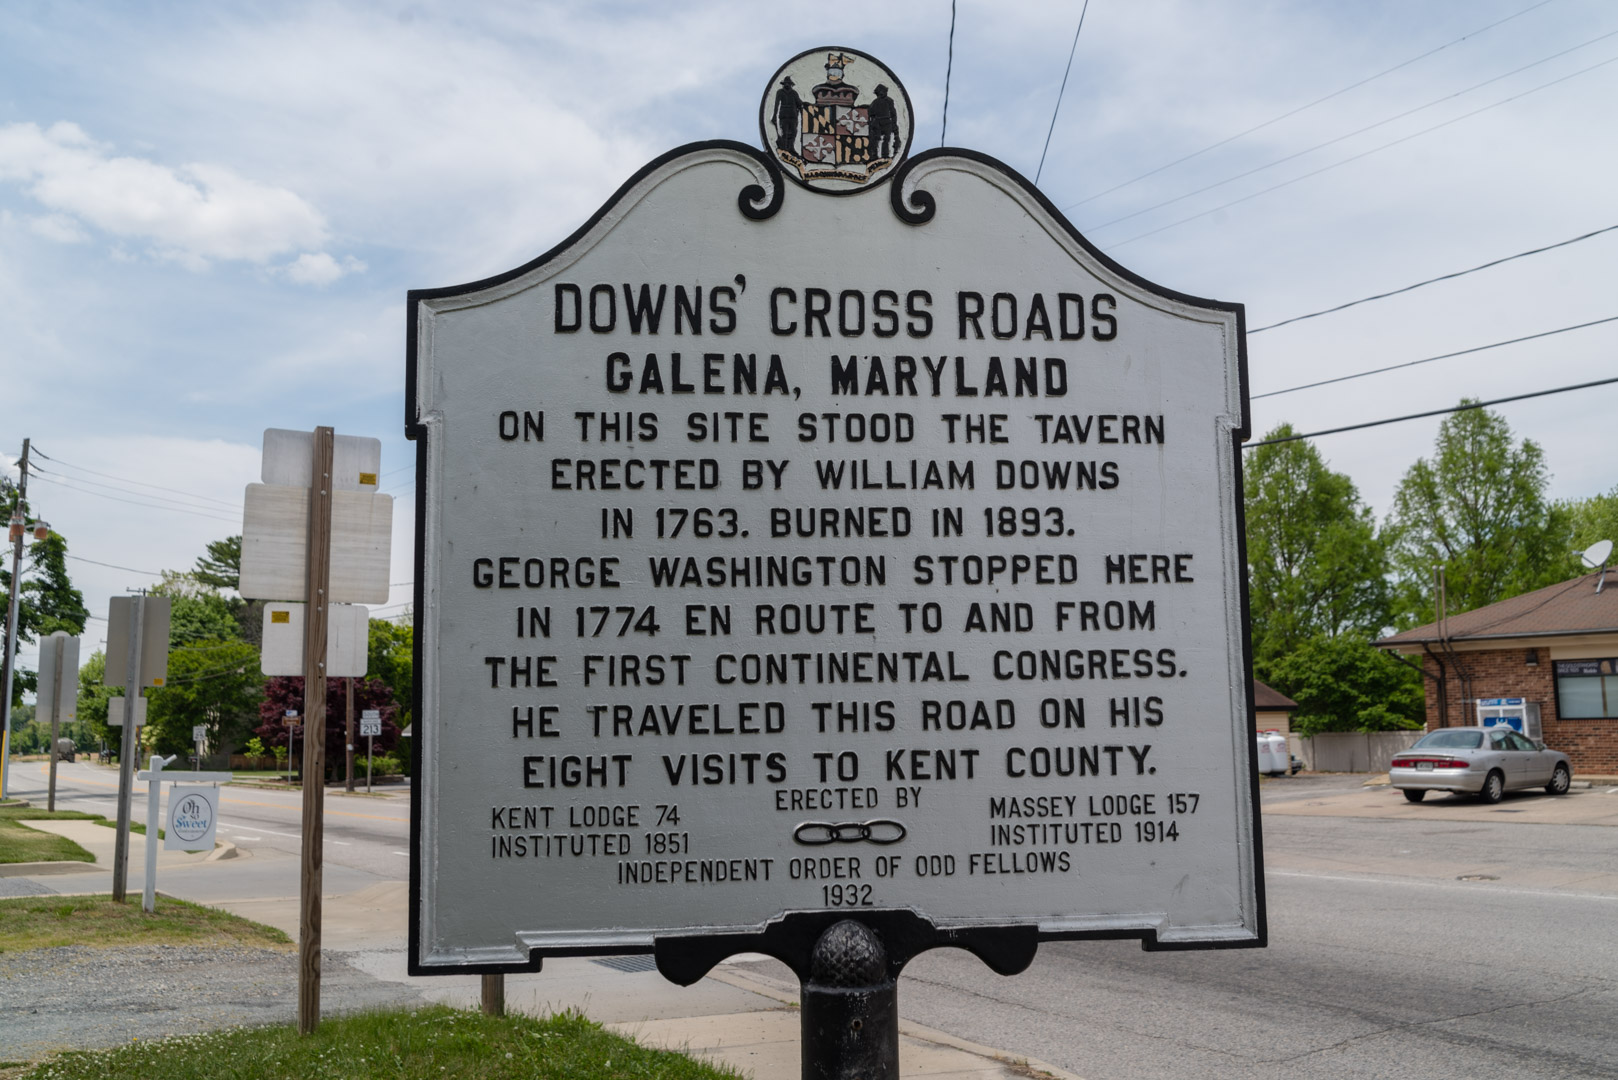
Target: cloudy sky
pixel 210 213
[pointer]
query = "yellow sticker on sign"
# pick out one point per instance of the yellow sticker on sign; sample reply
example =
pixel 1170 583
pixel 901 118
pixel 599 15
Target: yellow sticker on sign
pixel 280 616
pixel 158 681
pixel 368 478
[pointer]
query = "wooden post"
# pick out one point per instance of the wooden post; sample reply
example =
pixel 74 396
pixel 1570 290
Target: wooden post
pixel 348 741
pixel 318 557
pixel 56 712
pixel 494 995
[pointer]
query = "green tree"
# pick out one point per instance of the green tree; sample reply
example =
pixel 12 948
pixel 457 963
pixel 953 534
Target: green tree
pixel 221 568
pixel 1477 509
pixel 392 659
pixel 196 611
pixel 1345 683
pixel 91 719
pixel 212 682
pixel 1592 519
pixel 1316 567
pixel 47 601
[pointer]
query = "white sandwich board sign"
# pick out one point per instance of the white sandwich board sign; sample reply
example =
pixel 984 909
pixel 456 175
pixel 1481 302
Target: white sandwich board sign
pixel 827 528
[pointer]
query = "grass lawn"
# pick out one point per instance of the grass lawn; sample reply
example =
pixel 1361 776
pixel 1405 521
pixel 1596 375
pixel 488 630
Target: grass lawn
pixel 43 922
pixel 19 843
pixel 432 1044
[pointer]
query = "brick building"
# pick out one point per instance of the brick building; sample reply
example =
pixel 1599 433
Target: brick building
pixel 1557 646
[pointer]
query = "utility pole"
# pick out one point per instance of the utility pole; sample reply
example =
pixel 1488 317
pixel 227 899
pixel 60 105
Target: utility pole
pixel 18 530
pixel 314 729
pixel 126 751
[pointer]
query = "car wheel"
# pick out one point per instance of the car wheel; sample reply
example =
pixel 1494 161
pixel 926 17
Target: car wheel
pixel 1494 787
pixel 1415 794
pixel 1560 781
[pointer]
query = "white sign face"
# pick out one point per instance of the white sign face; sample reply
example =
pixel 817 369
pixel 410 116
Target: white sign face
pixel 115 711
pixel 199 732
pixel 370 725
pixel 347 640
pixel 193 819
pixel 275 535
pixel 50 672
pixel 154 640
pixel 289 460
pixel 838 553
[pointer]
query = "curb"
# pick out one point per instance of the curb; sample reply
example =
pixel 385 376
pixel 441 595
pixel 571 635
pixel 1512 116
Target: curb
pixel 47 869
pixel 222 849
pixel 908 1028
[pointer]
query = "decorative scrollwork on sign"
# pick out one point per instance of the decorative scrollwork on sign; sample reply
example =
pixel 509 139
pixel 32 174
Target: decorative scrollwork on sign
pixel 876 831
pixel 912 206
pixel 752 199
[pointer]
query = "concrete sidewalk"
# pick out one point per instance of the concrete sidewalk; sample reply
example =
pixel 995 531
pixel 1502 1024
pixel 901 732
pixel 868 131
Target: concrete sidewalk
pixel 740 1018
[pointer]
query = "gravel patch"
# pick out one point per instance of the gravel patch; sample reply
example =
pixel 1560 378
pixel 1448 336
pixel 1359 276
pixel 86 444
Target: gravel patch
pixel 80 998
pixel 24 887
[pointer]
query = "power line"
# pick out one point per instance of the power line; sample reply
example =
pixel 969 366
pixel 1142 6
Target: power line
pixel 156 500
pixel 150 506
pixel 949 69
pixel 142 483
pixel 1303 108
pixel 114 566
pixel 1430 359
pixel 1433 412
pixel 1431 281
pixel 1062 91
pixel 1362 154
pixel 1340 138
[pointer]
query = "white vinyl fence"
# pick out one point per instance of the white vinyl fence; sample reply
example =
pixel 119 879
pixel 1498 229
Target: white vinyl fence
pixel 1352 751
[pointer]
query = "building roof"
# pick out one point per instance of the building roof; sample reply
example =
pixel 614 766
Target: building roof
pixel 1268 699
pixel 1568 608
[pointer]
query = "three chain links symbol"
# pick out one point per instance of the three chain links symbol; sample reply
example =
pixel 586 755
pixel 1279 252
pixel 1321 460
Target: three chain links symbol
pixel 875 831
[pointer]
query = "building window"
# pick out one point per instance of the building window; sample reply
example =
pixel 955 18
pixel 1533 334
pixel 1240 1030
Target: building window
pixel 1587 689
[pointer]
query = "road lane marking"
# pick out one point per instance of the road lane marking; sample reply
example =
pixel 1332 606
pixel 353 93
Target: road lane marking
pixel 1492 890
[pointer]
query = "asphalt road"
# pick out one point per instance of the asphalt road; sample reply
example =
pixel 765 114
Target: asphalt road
pixel 1392 954
pixel 1399 947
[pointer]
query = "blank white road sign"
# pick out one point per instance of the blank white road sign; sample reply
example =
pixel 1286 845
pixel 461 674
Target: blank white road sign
pixel 289 460
pixel 154 640
pixel 115 711
pixel 274 541
pixel 46 695
pixel 347 639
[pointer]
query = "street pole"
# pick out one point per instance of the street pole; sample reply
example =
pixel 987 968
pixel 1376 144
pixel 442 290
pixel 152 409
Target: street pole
pixel 56 712
pixel 348 707
pixel 126 752
pixel 11 623
pixel 370 746
pixel 318 562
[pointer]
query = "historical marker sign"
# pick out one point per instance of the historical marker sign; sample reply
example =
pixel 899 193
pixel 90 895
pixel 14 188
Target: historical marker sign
pixel 784 552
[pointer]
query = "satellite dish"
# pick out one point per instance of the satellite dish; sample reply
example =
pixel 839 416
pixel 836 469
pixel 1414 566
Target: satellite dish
pixel 1595 556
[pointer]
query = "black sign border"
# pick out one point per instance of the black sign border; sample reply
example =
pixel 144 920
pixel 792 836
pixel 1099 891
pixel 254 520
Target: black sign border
pixel 684 958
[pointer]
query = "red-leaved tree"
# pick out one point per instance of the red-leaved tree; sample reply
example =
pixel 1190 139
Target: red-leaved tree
pixel 286 692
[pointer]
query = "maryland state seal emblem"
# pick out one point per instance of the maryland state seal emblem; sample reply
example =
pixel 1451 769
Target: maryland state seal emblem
pixel 829 133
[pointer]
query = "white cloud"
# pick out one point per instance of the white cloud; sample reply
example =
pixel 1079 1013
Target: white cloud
pixel 192 213
pixel 320 268
pixel 59 227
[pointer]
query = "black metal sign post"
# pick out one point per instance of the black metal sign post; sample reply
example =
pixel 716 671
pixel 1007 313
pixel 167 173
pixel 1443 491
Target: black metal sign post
pixel 829 553
pixel 848 972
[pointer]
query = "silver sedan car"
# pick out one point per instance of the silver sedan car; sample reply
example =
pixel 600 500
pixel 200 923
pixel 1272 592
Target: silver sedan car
pixel 1487 762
